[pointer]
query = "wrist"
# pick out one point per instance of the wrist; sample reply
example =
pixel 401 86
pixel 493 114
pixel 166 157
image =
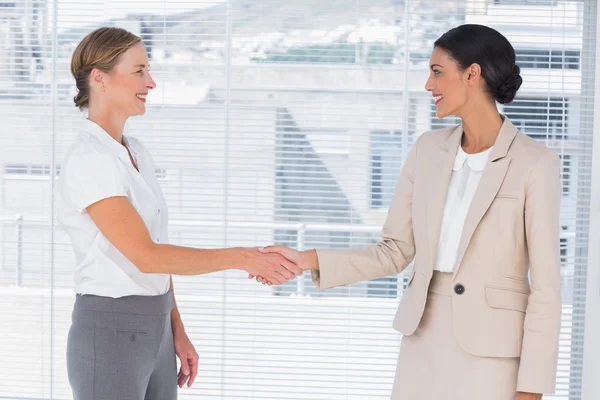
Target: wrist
pixel 311 260
pixel 235 258
pixel 176 322
pixel 178 328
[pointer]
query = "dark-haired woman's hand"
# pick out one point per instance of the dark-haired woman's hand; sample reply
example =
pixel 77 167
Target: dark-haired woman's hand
pixel 305 260
pixel 274 267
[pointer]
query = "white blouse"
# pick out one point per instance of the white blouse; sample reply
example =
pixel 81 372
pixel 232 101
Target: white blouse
pixel 466 174
pixel 97 167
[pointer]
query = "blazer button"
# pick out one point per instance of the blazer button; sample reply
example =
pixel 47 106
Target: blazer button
pixel 459 289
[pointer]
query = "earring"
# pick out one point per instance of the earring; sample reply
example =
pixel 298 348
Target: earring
pixel 102 87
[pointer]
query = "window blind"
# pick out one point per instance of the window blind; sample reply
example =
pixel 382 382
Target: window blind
pixel 273 122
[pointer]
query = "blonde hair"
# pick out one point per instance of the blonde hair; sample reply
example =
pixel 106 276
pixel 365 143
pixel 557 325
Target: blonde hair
pixel 99 49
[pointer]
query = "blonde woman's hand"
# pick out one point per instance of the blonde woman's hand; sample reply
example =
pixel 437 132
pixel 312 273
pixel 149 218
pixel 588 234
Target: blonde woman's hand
pixel 188 357
pixel 305 260
pixel 272 266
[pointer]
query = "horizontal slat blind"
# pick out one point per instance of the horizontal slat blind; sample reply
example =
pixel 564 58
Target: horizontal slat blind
pixel 273 121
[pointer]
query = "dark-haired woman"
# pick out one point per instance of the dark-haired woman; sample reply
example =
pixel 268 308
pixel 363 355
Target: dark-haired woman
pixel 477 208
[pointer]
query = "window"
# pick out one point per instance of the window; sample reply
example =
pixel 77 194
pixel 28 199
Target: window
pixel 527 2
pixel 566 173
pixel 386 159
pixel 540 118
pixel 563 250
pixel 548 59
pixel 273 122
pixel 28 170
pixel 20 169
pixel 161 173
pixel 341 51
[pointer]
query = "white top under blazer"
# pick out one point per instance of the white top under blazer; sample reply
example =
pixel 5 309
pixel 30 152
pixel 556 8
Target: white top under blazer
pixel 464 181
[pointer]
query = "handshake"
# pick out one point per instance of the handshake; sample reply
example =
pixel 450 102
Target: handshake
pixel 275 265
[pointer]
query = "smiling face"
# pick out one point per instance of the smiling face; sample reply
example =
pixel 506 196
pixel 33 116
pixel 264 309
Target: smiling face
pixel 448 84
pixel 128 83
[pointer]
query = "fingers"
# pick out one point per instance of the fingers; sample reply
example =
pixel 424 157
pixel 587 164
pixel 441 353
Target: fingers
pixel 181 379
pixel 263 281
pixel 277 275
pixel 285 272
pixel 184 371
pixel 289 258
pixel 292 267
pixel 260 279
pixel 185 366
pixel 271 249
pixel 286 252
pixel 188 371
pixel 193 369
pixel 274 267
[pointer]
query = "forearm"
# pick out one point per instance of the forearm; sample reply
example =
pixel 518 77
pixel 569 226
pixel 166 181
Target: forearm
pixel 179 260
pixel 338 267
pixel 176 322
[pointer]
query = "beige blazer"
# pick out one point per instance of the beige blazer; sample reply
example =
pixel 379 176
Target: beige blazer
pixel 512 228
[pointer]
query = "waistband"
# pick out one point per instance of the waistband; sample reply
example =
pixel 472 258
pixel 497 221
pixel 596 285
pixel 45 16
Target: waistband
pixel 146 305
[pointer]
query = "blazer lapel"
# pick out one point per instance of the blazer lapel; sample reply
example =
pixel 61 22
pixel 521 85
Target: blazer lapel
pixel 438 180
pixel 489 185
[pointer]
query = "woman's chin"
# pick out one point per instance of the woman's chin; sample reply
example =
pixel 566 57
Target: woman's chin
pixel 139 111
pixel 440 113
pixel 443 112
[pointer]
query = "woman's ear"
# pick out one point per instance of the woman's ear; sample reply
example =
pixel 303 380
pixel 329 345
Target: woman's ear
pixel 97 77
pixel 474 72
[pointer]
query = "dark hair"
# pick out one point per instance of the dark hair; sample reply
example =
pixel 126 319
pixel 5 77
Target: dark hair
pixel 478 44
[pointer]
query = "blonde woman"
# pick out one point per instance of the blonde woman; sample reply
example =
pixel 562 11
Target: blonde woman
pixel 126 329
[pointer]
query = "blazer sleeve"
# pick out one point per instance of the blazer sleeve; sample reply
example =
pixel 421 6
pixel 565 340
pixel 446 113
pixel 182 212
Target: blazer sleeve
pixel 539 354
pixel 390 256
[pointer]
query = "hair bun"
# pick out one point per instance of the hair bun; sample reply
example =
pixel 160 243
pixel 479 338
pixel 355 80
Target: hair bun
pixel 508 89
